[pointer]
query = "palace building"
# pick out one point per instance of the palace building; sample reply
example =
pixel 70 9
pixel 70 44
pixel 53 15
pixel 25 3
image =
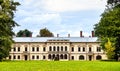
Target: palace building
pixel 57 48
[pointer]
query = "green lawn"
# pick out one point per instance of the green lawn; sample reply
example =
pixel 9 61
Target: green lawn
pixel 59 66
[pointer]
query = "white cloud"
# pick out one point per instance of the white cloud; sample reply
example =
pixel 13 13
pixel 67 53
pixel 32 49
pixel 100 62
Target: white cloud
pixel 37 14
pixel 40 19
pixel 73 5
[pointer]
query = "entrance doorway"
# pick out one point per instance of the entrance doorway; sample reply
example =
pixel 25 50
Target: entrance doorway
pixel 25 57
pixel 90 57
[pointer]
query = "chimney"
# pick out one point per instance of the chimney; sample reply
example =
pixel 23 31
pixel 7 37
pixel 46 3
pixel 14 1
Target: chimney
pixel 68 35
pixel 57 35
pixel 81 34
pixel 93 34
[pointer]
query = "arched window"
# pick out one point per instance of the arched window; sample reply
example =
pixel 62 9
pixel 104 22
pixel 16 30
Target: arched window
pixel 81 57
pixel 54 48
pixel 83 49
pixel 50 48
pixel 78 49
pixel 72 49
pixel 37 49
pixel 90 49
pixel 65 48
pixel 18 49
pixel 57 48
pixel 14 49
pixel 33 49
pixel 18 56
pixel 37 57
pixel 61 48
pixel 9 57
pixel 98 49
pixel 44 49
pixel 33 57
pixel 49 56
pixel 53 56
pixel 61 56
pixel 98 57
pixel 65 56
pixel 44 57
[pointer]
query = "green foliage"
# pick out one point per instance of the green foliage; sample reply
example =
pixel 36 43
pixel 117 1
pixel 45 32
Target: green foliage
pixel 109 27
pixel 59 66
pixel 113 3
pixel 109 48
pixel 24 33
pixel 45 33
pixel 7 9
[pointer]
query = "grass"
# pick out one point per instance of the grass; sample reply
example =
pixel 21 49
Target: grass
pixel 59 66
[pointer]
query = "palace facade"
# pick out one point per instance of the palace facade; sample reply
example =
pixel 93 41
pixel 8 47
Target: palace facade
pixel 56 48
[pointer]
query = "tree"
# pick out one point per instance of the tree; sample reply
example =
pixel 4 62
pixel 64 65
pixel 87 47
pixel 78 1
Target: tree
pixel 109 27
pixel 7 9
pixel 113 2
pixel 109 48
pixel 24 33
pixel 45 33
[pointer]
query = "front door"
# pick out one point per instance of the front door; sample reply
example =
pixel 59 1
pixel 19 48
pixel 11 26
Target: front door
pixel 90 57
pixel 25 57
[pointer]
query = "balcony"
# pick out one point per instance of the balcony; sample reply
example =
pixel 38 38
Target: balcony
pixel 57 52
pixel 25 52
pixel 90 53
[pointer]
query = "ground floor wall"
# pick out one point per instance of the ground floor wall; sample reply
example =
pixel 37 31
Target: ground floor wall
pixel 61 57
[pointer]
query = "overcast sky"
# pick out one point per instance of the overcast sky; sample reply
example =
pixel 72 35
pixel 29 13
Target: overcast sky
pixel 59 16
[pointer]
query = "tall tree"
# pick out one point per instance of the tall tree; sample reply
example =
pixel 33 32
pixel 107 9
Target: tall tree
pixel 24 33
pixel 7 9
pixel 45 33
pixel 113 2
pixel 109 26
pixel 109 49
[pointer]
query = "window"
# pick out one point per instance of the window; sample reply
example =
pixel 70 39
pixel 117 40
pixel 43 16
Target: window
pixel 14 57
pixel 98 49
pixel 25 48
pixel 65 48
pixel 72 49
pixel 53 56
pixel 33 57
pixel 57 48
pixel 18 57
pixel 65 56
pixel 37 49
pixel 72 57
pixel 78 49
pixel 90 49
pixel 81 57
pixel 98 57
pixel 9 57
pixel 61 56
pixel 37 57
pixel 33 49
pixel 49 56
pixel 43 57
pixel 50 48
pixel 61 48
pixel 83 49
pixel 44 49
pixel 18 49
pixel 54 48
pixel 14 49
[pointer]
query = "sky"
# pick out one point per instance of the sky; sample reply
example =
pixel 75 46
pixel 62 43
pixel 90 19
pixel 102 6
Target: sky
pixel 61 17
